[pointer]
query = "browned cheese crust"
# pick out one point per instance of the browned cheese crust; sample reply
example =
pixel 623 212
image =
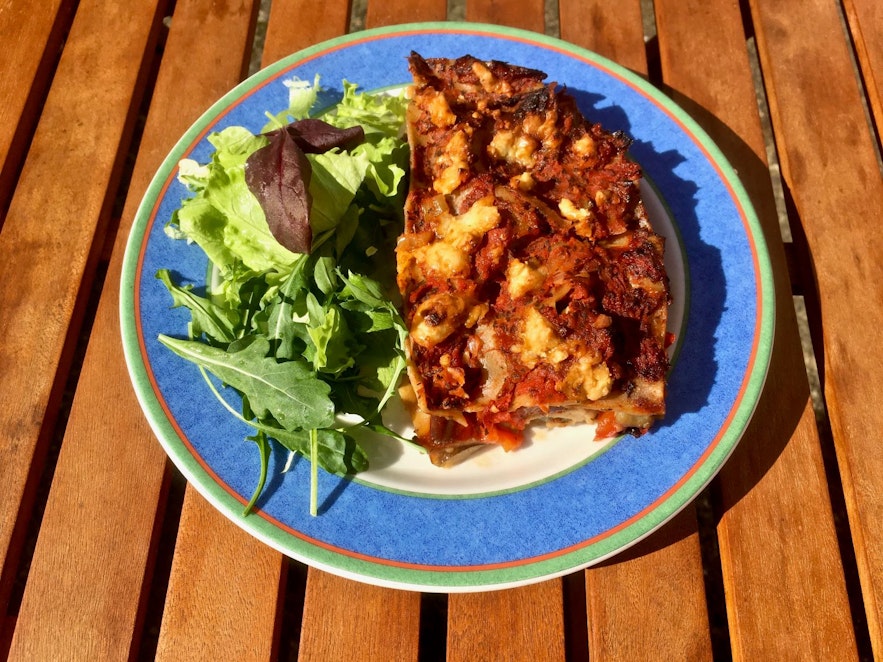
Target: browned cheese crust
pixel 533 284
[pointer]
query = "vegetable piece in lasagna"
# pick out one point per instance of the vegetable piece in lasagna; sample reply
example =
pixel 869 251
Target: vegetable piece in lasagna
pixel 533 284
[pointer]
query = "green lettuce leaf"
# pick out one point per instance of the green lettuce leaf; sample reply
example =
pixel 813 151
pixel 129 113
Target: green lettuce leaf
pixel 308 340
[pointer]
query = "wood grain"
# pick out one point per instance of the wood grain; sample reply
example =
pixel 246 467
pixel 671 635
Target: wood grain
pixel 53 232
pixel 831 171
pixel 346 620
pixel 404 11
pixel 777 528
pixel 31 35
pixel 221 602
pixel 92 561
pixel 525 623
pixel 524 14
pixel 649 602
pixel 297 24
pixel 865 18
pixel 614 30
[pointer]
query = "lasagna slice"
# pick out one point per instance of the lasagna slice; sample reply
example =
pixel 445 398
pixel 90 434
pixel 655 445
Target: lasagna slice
pixel 533 285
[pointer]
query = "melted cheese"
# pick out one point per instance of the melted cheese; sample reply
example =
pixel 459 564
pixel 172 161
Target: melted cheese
pixel 452 165
pixel 540 342
pixel 521 279
pixel 587 378
pixel 436 318
pixel 513 148
pixel 581 218
pixel 571 211
pixel 465 230
pixel 489 82
pixel 439 110
pixel 585 146
pixel 544 128
pixel 448 254
pixel 443 258
pixel 523 182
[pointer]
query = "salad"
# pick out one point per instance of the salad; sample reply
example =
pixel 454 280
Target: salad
pixel 299 223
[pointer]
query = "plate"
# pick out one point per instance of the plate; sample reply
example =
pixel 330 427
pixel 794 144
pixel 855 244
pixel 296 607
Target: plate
pixel 498 520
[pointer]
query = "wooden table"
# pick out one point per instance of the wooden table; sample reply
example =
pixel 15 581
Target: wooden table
pixel 106 554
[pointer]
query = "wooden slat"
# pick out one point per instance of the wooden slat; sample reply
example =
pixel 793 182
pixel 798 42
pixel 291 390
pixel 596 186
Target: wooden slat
pixel 865 18
pixel 650 603
pixel 525 623
pixel 778 544
pixel 830 168
pixel 48 236
pixel 404 11
pixel 91 562
pixel 218 604
pixel 346 620
pixel 31 35
pixel 297 24
pixel 613 30
pixel 524 14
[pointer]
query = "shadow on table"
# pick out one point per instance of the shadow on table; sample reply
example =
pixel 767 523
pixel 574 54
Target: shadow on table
pixel 784 397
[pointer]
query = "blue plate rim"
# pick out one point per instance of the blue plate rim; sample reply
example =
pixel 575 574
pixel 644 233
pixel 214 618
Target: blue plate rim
pixel 428 577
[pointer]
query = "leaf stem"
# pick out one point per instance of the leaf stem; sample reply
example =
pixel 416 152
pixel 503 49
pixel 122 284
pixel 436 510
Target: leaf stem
pixel 221 399
pixel 314 472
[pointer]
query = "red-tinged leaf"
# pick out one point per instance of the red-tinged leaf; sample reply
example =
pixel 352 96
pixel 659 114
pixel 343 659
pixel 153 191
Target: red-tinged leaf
pixel 278 175
pixel 316 136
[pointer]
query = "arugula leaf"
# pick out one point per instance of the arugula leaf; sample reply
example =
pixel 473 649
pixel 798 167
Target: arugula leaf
pixel 290 302
pixel 337 452
pixel 289 390
pixel 207 317
pixel 263 445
